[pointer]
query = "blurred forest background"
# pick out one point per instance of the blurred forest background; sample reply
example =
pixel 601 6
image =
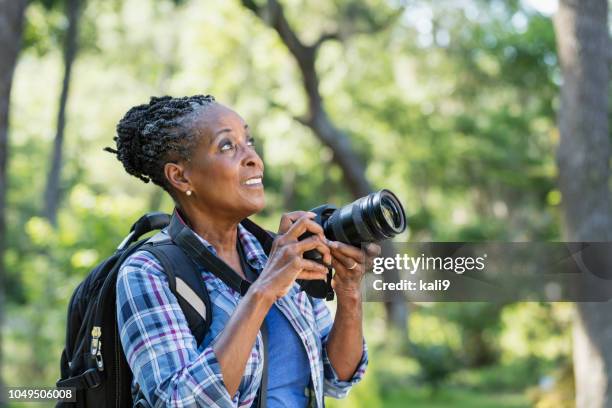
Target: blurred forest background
pixel 488 118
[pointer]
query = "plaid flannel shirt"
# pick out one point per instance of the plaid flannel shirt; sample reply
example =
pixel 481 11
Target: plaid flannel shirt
pixel 170 369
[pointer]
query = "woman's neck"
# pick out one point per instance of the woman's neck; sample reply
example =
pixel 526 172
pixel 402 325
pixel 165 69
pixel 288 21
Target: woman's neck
pixel 220 233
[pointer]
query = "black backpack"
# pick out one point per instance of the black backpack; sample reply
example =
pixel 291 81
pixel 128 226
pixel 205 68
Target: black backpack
pixel 93 361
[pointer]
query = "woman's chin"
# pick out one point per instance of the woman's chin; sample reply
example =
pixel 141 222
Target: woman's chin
pixel 256 205
pixel 261 205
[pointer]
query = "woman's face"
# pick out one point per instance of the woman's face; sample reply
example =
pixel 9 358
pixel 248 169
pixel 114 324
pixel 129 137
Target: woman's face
pixel 225 172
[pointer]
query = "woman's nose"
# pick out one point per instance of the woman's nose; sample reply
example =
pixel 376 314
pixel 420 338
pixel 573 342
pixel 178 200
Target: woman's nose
pixel 251 158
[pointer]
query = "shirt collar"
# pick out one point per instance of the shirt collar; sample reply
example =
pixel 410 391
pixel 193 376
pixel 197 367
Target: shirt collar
pixel 256 257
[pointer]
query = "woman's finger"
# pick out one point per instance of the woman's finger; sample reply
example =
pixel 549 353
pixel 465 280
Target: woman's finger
pixel 309 265
pixel 302 225
pixel 346 250
pixel 372 249
pixel 341 250
pixel 314 242
pixel 343 273
pixel 346 262
pixel 289 218
pixel 312 275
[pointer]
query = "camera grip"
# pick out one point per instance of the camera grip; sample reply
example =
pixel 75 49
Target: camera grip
pixel 320 289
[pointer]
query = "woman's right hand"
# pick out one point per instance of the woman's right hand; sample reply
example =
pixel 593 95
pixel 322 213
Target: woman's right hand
pixel 286 263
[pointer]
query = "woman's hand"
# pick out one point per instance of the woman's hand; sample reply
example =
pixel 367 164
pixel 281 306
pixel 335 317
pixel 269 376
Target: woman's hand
pixel 350 264
pixel 286 263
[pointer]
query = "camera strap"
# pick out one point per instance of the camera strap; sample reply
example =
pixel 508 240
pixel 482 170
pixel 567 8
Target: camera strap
pixel 262 391
pixel 186 239
pixel 265 238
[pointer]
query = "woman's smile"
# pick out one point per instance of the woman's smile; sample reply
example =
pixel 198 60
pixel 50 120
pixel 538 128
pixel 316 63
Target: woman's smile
pixel 255 181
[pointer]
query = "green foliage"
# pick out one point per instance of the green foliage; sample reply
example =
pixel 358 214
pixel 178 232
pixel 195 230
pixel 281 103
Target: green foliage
pixel 478 325
pixel 436 361
pixel 456 398
pixel 536 330
pixel 513 376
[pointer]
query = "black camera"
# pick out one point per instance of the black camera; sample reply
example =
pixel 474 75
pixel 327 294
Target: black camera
pixel 375 217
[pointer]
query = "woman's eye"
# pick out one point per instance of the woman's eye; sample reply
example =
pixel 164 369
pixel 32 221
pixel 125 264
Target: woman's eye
pixel 226 146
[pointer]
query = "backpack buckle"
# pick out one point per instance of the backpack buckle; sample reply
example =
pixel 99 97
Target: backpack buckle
pixel 98 357
pixel 92 378
pixel 96 332
pixel 96 346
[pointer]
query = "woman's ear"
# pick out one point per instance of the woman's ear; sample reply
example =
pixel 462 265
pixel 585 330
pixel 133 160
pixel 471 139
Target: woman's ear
pixel 175 174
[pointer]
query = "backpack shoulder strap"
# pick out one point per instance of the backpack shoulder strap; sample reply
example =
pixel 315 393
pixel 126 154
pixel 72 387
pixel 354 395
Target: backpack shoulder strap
pixel 185 282
pixel 264 237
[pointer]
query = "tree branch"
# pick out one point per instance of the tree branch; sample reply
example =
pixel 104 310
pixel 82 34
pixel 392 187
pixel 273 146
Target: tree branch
pixel 351 29
pixel 327 37
pixel 251 5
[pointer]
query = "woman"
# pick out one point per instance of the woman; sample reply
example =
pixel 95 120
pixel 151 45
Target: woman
pixel 202 154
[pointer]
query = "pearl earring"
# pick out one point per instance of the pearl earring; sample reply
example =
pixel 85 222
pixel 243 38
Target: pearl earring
pixel 188 192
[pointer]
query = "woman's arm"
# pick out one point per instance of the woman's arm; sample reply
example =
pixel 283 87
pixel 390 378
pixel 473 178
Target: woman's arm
pixel 345 341
pixel 334 386
pixel 345 346
pixel 234 344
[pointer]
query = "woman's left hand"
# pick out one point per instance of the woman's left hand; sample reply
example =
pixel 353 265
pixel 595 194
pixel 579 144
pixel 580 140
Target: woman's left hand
pixel 350 264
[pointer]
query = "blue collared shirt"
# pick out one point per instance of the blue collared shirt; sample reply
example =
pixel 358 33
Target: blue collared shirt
pixel 172 370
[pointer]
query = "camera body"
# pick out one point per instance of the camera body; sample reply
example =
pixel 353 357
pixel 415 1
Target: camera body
pixel 375 217
pixel 319 288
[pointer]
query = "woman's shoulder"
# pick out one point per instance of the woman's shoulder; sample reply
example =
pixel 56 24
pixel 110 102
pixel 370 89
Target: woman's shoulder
pixel 140 264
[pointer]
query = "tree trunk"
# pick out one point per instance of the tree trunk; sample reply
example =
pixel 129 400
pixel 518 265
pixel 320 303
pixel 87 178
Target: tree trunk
pixel 583 159
pixel 326 131
pixel 11 26
pixel 52 190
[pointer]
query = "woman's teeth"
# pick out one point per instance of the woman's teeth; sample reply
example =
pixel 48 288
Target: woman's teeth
pixel 253 181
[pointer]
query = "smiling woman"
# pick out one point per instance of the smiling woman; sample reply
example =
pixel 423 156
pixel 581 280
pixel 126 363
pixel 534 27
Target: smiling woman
pixel 203 155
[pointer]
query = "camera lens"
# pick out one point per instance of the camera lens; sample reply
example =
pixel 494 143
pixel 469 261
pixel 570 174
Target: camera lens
pixel 374 217
pixel 391 213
